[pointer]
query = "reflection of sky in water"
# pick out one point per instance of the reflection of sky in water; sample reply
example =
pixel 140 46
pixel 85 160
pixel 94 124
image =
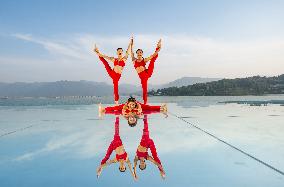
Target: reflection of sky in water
pixel 66 144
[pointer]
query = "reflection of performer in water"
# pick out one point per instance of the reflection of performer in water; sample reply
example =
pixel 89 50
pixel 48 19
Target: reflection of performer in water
pixel 116 71
pixel 121 155
pixel 142 151
pixel 140 66
pixel 132 110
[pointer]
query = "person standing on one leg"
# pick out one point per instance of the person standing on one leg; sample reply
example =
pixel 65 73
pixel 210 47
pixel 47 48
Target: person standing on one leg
pixel 140 66
pixel 115 72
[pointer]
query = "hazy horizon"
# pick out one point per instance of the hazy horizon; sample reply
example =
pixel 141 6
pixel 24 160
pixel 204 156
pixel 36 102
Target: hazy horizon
pixel 137 84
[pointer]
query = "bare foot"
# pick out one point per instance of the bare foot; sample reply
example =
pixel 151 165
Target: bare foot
pixel 101 110
pixel 164 110
pixel 116 103
pixel 163 175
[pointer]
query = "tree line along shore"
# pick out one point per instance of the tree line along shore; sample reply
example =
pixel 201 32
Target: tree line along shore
pixel 256 85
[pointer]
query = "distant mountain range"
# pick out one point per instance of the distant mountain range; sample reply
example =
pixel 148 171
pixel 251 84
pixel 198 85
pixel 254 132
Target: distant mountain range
pixel 53 89
pixel 255 85
pixel 185 81
pixel 83 88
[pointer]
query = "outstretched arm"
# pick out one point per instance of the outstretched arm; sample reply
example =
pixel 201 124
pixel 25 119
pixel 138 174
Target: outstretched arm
pixel 131 48
pixel 111 162
pixel 130 169
pixel 96 50
pixel 102 166
pixel 99 170
pixel 135 164
pixel 128 50
pixel 158 48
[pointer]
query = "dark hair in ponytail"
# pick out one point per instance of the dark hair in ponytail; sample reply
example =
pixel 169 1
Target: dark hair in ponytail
pixel 131 99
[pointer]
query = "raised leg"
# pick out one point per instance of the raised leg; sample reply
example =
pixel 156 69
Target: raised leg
pixel 108 153
pixel 151 66
pixel 146 107
pixel 107 66
pixel 111 109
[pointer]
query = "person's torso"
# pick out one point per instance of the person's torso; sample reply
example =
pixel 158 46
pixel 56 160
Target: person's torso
pixel 140 66
pixel 118 65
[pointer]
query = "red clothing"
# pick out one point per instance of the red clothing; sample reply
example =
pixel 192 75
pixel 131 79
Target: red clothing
pixel 115 76
pixel 145 75
pixel 114 109
pixel 119 62
pixel 139 63
pixel 142 62
pixel 133 110
pixel 116 142
pixel 122 156
pixel 145 109
pixel 147 142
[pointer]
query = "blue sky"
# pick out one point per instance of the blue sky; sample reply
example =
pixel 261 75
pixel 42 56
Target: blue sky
pixel 210 18
pixel 231 34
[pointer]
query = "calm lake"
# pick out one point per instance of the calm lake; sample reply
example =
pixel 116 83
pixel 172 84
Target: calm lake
pixel 61 142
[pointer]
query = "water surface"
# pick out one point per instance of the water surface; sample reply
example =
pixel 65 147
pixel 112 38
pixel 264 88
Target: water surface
pixel 61 143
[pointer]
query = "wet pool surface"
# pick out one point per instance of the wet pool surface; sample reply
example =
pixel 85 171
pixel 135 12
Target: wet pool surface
pixel 64 145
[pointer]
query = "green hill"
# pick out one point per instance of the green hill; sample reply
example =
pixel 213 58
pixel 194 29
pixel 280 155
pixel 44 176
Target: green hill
pixel 255 85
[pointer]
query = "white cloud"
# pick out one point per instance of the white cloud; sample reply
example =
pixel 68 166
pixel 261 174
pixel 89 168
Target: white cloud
pixel 90 142
pixel 82 142
pixel 182 55
pixel 64 48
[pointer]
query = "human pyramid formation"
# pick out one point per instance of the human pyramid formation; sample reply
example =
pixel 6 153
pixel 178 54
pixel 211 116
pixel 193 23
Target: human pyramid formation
pixel 132 110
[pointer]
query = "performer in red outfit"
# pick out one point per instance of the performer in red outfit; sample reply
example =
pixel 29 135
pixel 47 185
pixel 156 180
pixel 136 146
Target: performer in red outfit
pixel 126 110
pixel 142 151
pixel 132 110
pixel 140 66
pixel 121 156
pixel 115 72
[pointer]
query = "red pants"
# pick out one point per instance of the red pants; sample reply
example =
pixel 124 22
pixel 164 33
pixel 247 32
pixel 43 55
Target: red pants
pixel 149 108
pixel 147 142
pixel 114 109
pixel 144 76
pixel 115 78
pixel 116 142
pixel 145 108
